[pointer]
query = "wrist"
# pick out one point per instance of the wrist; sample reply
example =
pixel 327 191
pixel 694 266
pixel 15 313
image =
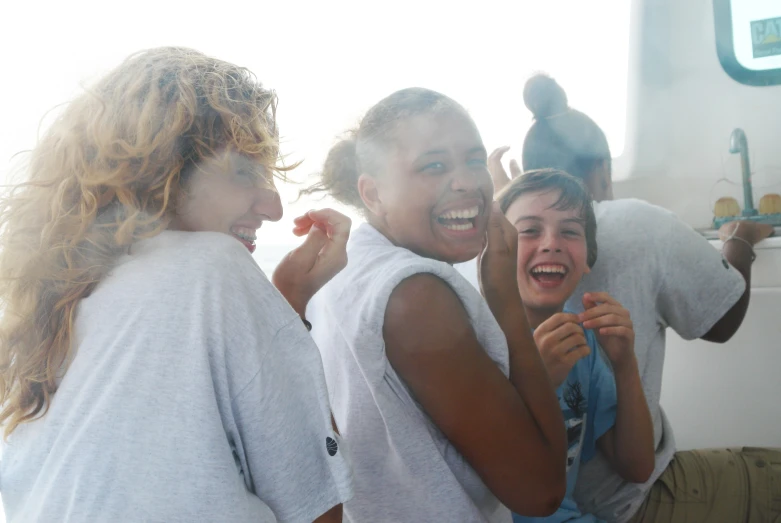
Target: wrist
pixel 295 299
pixel 625 365
pixel 735 247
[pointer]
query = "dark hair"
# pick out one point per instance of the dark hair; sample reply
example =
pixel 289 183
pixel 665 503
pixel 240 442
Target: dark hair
pixel 357 152
pixel 573 195
pixel 560 137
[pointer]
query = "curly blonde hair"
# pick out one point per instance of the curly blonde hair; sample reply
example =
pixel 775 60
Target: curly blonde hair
pixel 105 175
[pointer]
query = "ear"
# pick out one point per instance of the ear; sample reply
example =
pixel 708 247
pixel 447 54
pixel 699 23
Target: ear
pixel 587 269
pixel 368 190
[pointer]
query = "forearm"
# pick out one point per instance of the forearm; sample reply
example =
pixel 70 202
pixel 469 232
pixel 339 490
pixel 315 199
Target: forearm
pixel 334 515
pixel 633 442
pixel 738 254
pixel 530 379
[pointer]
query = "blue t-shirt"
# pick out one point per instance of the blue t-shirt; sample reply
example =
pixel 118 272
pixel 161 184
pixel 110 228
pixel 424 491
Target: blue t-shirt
pixel 588 400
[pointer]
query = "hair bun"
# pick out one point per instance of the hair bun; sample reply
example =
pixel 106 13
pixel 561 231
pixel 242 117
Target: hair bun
pixel 544 97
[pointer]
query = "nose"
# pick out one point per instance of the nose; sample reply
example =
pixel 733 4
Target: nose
pixel 267 203
pixel 549 242
pixel 465 180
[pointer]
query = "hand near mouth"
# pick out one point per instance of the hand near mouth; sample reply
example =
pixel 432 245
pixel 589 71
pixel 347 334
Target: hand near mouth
pixel 562 343
pixel 497 265
pixel 612 325
pixel 323 254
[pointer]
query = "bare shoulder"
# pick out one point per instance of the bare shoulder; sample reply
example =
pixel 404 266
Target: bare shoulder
pixel 424 312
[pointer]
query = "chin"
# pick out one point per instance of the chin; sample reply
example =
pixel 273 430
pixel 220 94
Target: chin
pixel 464 255
pixel 543 303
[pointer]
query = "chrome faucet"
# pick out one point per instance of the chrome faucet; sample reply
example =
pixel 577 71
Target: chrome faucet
pixel 739 144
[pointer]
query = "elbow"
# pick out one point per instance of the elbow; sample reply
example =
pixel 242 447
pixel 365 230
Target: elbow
pixel 334 515
pixel 720 336
pixel 542 500
pixel 639 472
pixel 724 329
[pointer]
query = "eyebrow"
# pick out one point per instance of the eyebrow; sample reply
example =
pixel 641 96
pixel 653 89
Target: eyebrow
pixel 579 221
pixel 434 152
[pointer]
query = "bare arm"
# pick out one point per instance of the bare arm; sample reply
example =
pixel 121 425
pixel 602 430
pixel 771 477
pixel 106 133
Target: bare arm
pixel 510 432
pixel 332 516
pixel 738 254
pixel 629 445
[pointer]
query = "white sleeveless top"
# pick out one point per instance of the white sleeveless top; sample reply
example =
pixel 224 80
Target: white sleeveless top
pixel 404 467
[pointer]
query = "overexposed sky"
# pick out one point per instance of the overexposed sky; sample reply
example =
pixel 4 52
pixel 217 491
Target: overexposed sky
pixel 328 61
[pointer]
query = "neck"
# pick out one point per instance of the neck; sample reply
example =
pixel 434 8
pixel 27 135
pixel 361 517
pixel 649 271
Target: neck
pixel 537 316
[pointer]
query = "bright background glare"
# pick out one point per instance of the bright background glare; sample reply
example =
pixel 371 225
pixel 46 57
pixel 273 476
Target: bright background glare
pixel 329 61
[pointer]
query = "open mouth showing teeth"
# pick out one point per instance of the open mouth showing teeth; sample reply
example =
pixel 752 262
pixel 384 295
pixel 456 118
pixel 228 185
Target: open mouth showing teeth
pixel 549 273
pixel 244 234
pixel 460 219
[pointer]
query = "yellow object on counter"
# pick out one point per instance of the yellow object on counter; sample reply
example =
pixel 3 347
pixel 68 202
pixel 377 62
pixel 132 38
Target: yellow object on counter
pixel 726 207
pixel 770 204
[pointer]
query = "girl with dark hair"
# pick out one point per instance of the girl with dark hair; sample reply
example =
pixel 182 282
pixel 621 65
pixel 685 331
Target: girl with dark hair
pixel 442 394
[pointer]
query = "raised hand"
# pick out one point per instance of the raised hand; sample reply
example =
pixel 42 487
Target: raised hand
pixel 495 167
pixel 322 255
pixel 497 264
pixel 613 326
pixel 561 342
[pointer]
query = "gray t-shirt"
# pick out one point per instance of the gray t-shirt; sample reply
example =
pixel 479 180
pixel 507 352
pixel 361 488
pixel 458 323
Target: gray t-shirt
pixel 405 468
pixel 194 394
pixel 666 275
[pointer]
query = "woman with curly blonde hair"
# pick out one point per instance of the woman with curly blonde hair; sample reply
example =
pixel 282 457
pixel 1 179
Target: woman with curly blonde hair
pixel 148 368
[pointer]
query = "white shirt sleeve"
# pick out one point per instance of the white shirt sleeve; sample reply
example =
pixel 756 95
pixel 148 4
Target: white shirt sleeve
pixel 697 286
pixel 278 413
pixel 296 463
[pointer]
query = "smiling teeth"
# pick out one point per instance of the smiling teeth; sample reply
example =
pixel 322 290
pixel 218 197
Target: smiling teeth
pixel 458 226
pixel 244 233
pixel 553 269
pixel 464 214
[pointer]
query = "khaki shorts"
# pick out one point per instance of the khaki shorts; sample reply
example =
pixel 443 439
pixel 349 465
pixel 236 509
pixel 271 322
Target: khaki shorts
pixel 719 486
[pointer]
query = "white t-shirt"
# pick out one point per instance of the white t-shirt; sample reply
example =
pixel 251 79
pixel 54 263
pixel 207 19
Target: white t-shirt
pixel 195 393
pixel 666 275
pixel 405 468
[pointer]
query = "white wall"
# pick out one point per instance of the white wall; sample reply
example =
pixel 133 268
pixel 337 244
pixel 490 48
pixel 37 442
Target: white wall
pixel 682 109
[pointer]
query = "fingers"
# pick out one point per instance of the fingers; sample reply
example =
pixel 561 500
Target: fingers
pixel 335 224
pixel 577 354
pixel 496 235
pixel 621 332
pixel 556 321
pixel 302 224
pixel 595 311
pixel 602 310
pixel 563 337
pixel 305 255
pixel 498 174
pixel 726 230
pixel 496 155
pixel 608 320
pixel 515 169
pixel 590 299
pixel 753 232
